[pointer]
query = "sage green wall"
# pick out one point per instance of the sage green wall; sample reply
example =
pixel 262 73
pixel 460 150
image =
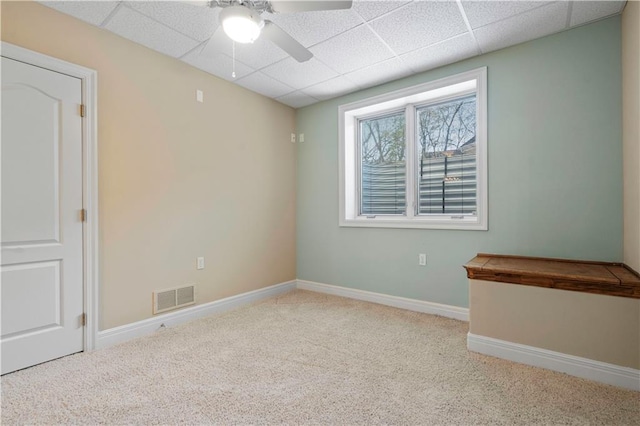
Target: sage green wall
pixel 555 173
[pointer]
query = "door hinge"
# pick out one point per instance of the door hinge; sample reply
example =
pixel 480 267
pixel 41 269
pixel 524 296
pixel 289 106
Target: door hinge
pixel 82 110
pixel 83 215
pixel 83 319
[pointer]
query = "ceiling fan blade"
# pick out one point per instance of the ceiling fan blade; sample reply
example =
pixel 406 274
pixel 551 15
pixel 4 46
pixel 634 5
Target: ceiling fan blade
pixel 285 42
pixel 290 6
pixel 216 44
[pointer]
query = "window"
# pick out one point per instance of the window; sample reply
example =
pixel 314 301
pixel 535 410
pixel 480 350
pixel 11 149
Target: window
pixel 416 158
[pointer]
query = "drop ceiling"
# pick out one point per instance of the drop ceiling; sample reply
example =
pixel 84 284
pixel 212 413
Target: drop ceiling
pixel 369 44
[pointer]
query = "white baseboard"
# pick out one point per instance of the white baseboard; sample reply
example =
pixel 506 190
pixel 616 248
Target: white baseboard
pixel 448 311
pixel 602 372
pixel 148 326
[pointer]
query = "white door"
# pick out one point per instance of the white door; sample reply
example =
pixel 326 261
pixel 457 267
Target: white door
pixel 41 225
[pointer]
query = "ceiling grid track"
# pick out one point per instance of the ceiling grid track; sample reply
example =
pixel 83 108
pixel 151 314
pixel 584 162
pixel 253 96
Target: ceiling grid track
pixel 569 11
pixel 468 24
pixel 111 15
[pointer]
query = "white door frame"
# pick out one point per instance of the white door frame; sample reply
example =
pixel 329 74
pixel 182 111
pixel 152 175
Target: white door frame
pixel 89 80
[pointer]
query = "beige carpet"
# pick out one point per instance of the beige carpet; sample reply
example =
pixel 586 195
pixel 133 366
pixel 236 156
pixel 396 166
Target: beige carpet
pixel 306 358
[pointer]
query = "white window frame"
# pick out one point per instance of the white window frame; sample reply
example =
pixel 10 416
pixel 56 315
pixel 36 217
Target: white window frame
pixel 474 81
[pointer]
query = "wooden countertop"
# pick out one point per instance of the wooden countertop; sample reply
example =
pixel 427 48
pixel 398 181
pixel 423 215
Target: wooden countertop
pixel 613 279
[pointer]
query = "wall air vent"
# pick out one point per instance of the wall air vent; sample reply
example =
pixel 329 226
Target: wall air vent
pixel 173 298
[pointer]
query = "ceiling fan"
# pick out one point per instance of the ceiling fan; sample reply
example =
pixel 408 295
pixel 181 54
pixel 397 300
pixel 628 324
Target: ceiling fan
pixel 242 22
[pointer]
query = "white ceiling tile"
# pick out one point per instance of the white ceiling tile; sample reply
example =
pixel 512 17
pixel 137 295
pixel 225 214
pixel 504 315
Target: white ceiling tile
pixel 141 29
pixel 310 28
pixel 426 33
pixel 220 65
pixel 447 52
pixel 93 12
pixel 481 13
pixel 300 74
pixel 352 50
pixel 197 22
pixel 527 26
pixel 379 73
pixel 297 100
pixel 370 9
pixel 332 88
pixel 257 55
pixel 265 85
pixel 419 25
pixel 587 11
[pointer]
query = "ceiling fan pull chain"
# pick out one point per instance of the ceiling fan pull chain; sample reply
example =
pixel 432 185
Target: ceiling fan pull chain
pixel 233 50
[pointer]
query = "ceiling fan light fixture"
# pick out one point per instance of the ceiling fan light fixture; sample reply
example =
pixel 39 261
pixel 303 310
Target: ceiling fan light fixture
pixel 241 24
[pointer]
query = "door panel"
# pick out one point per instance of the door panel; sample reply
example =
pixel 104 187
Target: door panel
pixel 30 209
pixel 42 268
pixel 33 290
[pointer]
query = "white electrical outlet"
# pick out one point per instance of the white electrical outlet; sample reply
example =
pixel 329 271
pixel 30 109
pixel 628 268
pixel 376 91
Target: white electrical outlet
pixel 422 259
pixel 301 137
pixel 199 95
pixel 200 263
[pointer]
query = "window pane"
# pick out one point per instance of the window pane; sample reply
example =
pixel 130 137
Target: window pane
pixel 382 165
pixel 446 149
